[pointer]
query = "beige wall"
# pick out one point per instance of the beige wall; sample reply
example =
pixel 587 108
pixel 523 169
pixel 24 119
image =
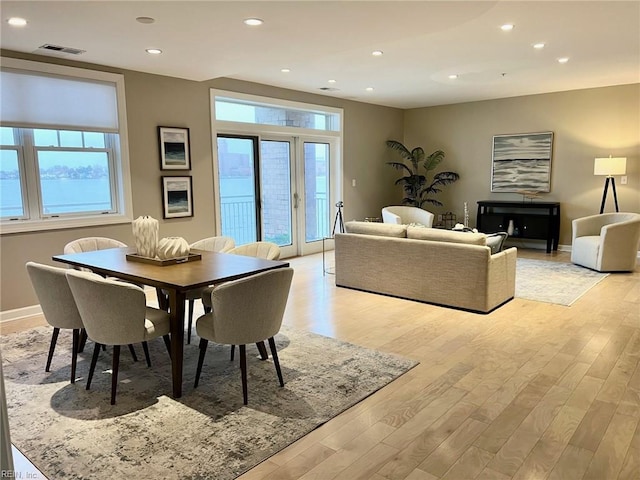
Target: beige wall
pixel 154 101
pixel 586 124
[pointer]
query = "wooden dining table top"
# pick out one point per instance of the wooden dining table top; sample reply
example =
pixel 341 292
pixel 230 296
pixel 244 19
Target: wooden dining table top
pixel 212 268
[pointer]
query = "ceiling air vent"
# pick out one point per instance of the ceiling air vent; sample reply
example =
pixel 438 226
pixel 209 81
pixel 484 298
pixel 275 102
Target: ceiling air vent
pixel 61 50
pixel 329 89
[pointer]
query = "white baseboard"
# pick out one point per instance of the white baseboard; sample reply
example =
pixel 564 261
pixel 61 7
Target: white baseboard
pixel 20 313
pixel 35 310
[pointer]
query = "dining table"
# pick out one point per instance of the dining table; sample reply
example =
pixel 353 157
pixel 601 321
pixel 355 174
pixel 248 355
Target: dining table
pixel 175 278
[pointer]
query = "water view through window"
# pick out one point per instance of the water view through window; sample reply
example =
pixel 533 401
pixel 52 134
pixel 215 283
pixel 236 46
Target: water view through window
pixel 73 170
pixel 238 190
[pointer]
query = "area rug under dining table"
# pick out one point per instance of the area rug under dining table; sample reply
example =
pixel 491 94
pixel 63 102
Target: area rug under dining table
pixel 69 432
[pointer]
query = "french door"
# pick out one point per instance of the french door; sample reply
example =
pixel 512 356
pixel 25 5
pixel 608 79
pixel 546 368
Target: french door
pixel 276 189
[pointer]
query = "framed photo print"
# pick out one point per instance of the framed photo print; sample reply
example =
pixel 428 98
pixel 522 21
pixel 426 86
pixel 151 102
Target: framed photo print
pixel 177 197
pixel 174 148
pixel 522 162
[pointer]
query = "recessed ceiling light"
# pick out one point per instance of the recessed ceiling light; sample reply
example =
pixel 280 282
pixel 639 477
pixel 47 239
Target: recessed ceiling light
pixel 507 27
pixel 253 22
pixel 539 46
pixel 331 81
pixel 369 89
pixel 153 51
pixel 285 70
pixel 145 20
pixel 563 60
pixel 453 76
pixel 17 22
pixel 377 53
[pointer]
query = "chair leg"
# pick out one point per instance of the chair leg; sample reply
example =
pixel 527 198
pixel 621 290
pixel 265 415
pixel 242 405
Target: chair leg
pixel 163 300
pixel 190 313
pixel 203 350
pixel 133 353
pixel 114 374
pixel 74 353
pixel 83 340
pixel 276 361
pixel 145 347
pixel 243 372
pixel 167 343
pixel 233 351
pixel 263 350
pixel 94 360
pixel 52 347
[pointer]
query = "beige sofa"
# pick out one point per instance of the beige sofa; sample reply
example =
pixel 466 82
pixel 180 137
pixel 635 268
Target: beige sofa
pixel 431 265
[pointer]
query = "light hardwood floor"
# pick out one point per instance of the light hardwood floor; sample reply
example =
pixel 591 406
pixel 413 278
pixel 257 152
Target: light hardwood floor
pixel 529 391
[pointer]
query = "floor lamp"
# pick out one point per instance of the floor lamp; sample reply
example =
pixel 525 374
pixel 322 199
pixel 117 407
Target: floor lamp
pixel 610 166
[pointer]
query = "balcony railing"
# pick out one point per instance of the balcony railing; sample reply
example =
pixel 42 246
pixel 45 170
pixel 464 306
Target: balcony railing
pixel 239 220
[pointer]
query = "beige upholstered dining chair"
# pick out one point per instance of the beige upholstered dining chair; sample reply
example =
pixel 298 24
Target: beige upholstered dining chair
pixel 115 313
pixel 266 250
pixel 211 244
pixel 58 306
pixel 214 244
pixel 607 242
pixel 236 321
pixel 89 244
pixel 404 215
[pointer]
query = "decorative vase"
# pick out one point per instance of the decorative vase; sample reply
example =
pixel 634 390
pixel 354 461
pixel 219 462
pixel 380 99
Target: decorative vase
pixel 466 215
pixel 172 247
pixel 510 228
pixel 145 234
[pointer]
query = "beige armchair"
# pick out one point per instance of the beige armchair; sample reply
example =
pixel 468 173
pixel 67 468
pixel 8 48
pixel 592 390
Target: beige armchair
pixel 115 313
pixel 58 306
pixel 607 242
pixel 403 215
pixel 236 321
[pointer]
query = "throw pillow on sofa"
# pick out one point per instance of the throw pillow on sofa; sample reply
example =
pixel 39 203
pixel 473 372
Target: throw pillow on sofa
pixel 496 241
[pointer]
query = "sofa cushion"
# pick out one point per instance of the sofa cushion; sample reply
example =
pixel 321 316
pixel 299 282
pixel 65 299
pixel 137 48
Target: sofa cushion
pixel 495 241
pixel 375 228
pixel 441 235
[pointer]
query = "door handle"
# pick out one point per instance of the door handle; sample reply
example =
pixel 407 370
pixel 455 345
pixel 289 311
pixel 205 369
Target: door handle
pixel 296 197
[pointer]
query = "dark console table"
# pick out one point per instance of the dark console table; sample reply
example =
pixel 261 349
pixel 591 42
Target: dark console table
pixel 535 220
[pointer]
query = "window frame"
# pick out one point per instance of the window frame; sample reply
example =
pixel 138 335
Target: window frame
pixel 22 175
pixel 119 175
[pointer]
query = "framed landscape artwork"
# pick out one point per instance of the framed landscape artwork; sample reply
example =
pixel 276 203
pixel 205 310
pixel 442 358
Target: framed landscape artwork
pixel 522 162
pixel 177 197
pixel 174 148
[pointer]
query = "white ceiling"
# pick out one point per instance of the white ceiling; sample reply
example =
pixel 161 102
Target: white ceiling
pixel 423 43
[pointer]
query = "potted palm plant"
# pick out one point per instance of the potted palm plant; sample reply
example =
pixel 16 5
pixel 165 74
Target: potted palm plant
pixel 415 185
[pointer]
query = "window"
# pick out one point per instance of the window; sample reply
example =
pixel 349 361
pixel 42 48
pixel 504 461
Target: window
pixel 63 159
pixel 261 113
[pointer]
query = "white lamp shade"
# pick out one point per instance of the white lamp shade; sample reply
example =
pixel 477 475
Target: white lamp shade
pixel 610 166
